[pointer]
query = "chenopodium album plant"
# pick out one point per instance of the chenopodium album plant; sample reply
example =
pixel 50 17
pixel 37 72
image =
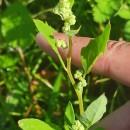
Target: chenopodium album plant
pixel 89 55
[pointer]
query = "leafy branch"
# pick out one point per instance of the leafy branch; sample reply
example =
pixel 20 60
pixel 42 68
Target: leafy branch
pixel 89 55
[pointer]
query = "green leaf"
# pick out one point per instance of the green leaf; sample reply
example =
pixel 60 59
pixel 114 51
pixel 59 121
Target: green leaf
pixel 69 115
pixel 56 9
pixel 48 33
pixel 17 27
pixel 127 30
pixel 7 61
pixel 97 46
pixel 66 127
pixel 55 92
pixel 95 111
pixel 34 124
pixel 73 32
pixel 100 17
pixel 71 3
pixel 124 11
pixel 104 10
pixel 84 121
pixel 58 82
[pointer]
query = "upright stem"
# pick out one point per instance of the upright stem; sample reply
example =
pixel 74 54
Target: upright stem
pixel 69 62
pixel 78 92
pixel 79 95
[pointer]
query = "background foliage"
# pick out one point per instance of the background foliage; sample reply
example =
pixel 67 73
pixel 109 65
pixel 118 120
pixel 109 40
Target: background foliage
pixel 31 83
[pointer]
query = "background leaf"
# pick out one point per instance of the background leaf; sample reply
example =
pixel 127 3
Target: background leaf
pixel 6 61
pixel 16 18
pixel 90 53
pixel 124 11
pixel 127 30
pixel 69 115
pixel 104 10
pixel 33 124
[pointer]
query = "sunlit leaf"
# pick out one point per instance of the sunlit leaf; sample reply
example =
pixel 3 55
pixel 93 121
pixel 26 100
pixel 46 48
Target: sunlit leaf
pixel 17 26
pixel 104 10
pixel 124 11
pixel 69 115
pixel 66 127
pixel 48 32
pixel 95 111
pixel 6 61
pixel 34 124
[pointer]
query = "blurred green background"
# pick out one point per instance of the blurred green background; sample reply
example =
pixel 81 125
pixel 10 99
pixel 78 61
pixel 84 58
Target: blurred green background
pixel 32 84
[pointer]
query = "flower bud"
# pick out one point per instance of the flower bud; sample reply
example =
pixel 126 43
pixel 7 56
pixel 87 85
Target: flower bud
pixel 71 20
pixel 58 43
pixel 66 28
pixel 61 43
pixel 78 74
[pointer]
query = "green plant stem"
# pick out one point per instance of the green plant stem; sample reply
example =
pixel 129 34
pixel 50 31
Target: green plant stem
pixel 79 95
pixel 69 62
pixel 42 12
pixel 78 92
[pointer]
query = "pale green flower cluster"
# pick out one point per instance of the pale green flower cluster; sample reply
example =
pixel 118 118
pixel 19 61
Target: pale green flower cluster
pixel 82 82
pixel 77 126
pixel 64 10
pixel 61 43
